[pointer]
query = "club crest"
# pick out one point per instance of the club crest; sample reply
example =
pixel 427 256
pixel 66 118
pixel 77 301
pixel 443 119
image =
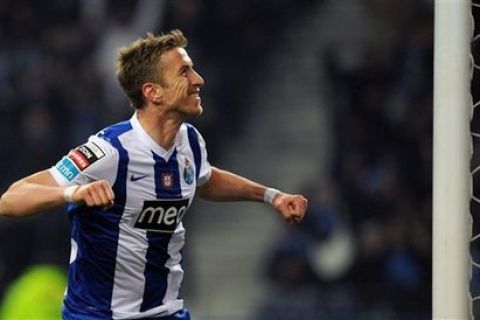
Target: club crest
pixel 188 173
pixel 167 180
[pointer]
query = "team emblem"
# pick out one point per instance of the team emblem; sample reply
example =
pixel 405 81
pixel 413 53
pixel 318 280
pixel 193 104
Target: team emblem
pixel 188 173
pixel 167 180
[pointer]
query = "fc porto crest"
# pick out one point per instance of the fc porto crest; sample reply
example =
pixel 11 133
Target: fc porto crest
pixel 188 173
pixel 167 180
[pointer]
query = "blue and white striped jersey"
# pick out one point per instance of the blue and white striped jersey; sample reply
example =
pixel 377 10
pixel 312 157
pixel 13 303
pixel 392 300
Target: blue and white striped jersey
pixel 126 262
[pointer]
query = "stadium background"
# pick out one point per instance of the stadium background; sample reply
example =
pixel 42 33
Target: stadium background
pixel 331 98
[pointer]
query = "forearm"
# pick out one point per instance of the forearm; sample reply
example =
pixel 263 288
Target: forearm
pixel 227 186
pixel 26 198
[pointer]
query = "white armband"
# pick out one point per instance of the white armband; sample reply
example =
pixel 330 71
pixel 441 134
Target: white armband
pixel 270 193
pixel 68 193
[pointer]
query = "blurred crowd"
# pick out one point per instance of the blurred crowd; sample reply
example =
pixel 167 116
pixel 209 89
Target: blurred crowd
pixel 365 246
pixel 364 251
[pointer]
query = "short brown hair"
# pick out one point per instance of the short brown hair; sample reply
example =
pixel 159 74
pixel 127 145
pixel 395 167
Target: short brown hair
pixel 138 62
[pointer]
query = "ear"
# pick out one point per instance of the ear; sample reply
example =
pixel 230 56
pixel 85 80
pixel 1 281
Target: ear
pixel 152 92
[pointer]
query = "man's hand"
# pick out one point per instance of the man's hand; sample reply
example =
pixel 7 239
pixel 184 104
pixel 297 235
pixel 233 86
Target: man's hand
pixel 291 207
pixel 95 194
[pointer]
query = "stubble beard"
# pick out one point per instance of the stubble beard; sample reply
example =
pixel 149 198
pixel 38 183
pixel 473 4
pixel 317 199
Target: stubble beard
pixel 191 111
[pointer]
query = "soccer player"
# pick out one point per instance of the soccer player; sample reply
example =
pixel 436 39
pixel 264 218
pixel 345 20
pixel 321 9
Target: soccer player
pixel 129 187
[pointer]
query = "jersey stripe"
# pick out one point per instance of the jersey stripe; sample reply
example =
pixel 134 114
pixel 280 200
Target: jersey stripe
pixel 120 185
pixel 195 146
pixel 167 185
pixel 174 264
pixel 96 234
pixel 156 272
pixel 129 282
pixel 119 188
pixel 167 177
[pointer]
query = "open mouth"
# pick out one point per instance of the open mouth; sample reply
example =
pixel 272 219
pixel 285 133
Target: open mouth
pixel 194 90
pixel 195 94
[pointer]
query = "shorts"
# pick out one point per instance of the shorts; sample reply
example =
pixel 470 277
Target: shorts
pixel 179 315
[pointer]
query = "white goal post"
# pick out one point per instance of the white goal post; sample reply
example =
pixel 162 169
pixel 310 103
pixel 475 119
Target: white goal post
pixel 451 160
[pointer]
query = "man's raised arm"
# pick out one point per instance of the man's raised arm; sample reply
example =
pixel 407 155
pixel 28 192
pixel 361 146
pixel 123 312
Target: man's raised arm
pixel 226 186
pixel 40 192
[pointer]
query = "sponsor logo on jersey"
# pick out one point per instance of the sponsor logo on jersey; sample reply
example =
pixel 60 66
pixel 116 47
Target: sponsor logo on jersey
pixel 167 180
pixel 85 155
pixel 67 168
pixel 137 177
pixel 79 159
pixel 188 173
pixel 161 215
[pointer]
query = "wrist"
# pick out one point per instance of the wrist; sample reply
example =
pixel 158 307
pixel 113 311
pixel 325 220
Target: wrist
pixel 68 193
pixel 269 195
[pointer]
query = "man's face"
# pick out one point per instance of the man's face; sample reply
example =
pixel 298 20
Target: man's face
pixel 181 83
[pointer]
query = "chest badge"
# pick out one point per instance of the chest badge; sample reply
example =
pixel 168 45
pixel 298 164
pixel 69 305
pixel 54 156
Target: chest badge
pixel 188 174
pixel 167 180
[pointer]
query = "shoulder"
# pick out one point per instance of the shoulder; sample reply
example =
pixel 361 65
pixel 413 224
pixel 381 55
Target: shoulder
pixel 104 145
pixel 195 141
pixel 94 152
pixel 113 131
pixel 93 160
pixel 191 132
pixel 111 136
pixel 189 127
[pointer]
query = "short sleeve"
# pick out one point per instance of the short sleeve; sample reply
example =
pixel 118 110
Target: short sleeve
pixel 92 161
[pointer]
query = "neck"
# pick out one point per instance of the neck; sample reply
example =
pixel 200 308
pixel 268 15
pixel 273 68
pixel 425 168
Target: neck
pixel 159 125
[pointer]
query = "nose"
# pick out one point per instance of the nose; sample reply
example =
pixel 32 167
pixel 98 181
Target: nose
pixel 197 80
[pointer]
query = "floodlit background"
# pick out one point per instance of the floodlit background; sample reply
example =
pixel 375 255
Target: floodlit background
pixel 329 98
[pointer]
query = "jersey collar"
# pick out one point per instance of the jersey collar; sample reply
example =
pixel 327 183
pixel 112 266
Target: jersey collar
pixel 149 142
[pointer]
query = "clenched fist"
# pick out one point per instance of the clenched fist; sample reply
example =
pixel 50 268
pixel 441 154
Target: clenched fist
pixel 95 194
pixel 292 207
